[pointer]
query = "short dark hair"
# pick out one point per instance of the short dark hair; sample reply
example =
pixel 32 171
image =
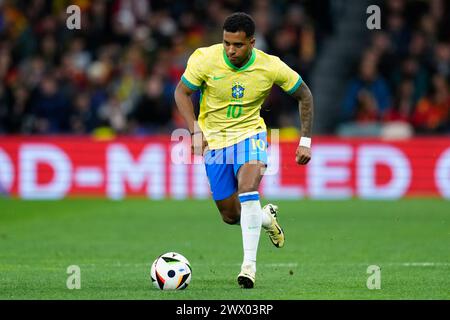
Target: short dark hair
pixel 240 21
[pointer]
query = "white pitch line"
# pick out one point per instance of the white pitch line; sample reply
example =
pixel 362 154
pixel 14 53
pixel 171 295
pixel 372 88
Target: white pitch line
pixel 282 265
pixel 425 264
pixel 408 264
pixel 289 265
pixel 381 264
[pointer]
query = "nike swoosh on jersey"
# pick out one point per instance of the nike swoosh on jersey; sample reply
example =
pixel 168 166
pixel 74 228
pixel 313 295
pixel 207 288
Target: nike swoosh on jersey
pixel 218 77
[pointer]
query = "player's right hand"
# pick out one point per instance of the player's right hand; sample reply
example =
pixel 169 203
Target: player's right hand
pixel 198 143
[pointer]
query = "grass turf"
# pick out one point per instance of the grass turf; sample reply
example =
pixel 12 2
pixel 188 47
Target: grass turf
pixel 329 245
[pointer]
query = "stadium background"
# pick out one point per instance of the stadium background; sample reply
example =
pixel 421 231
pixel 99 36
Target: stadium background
pixel 90 112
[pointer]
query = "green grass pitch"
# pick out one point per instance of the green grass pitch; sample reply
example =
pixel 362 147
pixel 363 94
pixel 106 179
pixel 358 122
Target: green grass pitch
pixel 329 246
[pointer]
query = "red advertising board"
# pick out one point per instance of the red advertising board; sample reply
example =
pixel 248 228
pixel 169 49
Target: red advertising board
pixel 156 167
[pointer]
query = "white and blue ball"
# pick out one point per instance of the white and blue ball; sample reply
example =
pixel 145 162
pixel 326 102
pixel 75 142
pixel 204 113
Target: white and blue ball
pixel 171 271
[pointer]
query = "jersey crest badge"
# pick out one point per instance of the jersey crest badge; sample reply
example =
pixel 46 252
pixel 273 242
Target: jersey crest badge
pixel 237 91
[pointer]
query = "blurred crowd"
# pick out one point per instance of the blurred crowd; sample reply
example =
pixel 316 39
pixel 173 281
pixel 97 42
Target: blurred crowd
pixel 402 82
pixel 117 74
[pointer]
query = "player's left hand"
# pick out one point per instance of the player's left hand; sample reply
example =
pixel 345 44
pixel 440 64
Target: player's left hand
pixel 303 155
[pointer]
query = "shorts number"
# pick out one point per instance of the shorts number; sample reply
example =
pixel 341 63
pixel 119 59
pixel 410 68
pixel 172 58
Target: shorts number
pixel 234 111
pixel 258 144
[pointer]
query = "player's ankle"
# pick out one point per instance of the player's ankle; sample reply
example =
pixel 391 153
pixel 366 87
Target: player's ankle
pixel 249 264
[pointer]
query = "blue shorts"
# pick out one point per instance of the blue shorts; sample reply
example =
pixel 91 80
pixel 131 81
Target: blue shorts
pixel 222 165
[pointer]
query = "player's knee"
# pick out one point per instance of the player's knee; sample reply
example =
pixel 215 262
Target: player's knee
pixel 229 218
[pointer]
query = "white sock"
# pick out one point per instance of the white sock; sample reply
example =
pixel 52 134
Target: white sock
pixel 266 219
pixel 251 219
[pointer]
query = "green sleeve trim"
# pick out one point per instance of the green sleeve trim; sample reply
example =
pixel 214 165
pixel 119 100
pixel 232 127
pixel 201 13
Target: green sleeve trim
pixel 189 84
pixel 297 84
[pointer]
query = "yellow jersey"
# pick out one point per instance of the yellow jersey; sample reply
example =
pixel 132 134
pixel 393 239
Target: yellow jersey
pixel 231 97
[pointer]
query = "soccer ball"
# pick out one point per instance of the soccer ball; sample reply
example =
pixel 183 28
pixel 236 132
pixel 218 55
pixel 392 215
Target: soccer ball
pixel 171 271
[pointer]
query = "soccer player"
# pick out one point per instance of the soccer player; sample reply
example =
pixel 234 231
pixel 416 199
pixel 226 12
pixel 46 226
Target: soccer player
pixel 234 79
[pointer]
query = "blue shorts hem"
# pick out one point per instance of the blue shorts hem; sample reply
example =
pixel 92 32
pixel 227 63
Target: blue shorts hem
pixel 222 197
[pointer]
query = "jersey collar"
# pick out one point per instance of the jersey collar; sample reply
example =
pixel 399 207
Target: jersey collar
pixel 244 67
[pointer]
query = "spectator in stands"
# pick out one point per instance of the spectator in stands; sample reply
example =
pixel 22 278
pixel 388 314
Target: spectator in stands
pixel 50 107
pixel 18 118
pixel 411 69
pixel 82 119
pixel 420 49
pixel 112 115
pixel 369 81
pixel 403 103
pixel 433 111
pixel 366 108
pixel 381 45
pixel 399 33
pixel 441 63
pixel 152 113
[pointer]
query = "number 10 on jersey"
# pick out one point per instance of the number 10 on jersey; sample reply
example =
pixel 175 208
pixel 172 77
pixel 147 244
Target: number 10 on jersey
pixel 234 111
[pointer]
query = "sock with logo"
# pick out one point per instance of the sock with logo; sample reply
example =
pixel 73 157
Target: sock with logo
pixel 251 219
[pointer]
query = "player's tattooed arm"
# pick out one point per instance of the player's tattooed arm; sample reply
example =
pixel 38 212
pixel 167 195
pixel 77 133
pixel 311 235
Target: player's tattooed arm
pixel 306 107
